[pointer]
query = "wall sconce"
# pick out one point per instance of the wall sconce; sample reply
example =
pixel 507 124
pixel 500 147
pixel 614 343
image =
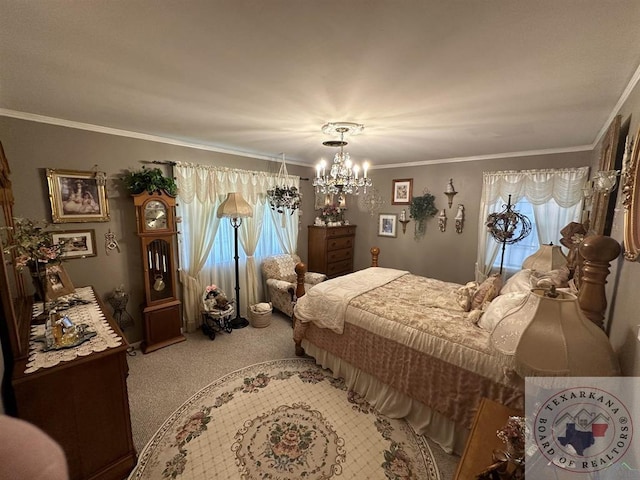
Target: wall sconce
pixel 450 192
pixel 404 221
pixel 460 218
pixel 605 181
pixel 442 220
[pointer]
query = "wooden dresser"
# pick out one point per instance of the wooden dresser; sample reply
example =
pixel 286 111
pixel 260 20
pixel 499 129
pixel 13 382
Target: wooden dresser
pixel 83 404
pixel 331 249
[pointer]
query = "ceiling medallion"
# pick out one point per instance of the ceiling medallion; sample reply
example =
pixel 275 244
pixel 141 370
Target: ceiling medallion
pixel 343 177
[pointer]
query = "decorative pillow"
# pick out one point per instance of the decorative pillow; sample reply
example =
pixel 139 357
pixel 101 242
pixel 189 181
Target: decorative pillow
pixel 499 308
pixel 487 291
pixel 465 295
pixel 519 282
pixel 559 278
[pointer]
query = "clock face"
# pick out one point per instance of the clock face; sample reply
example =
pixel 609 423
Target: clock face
pixel 155 215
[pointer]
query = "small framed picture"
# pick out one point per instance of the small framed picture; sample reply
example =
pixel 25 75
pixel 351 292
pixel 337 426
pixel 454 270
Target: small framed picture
pixel 76 197
pixel 76 243
pixel 57 282
pixel 402 191
pixel 387 225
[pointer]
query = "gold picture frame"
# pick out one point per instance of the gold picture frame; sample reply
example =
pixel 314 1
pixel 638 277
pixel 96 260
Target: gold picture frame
pixel 76 196
pixel 57 283
pixel 76 243
pixel 631 202
pixel 600 206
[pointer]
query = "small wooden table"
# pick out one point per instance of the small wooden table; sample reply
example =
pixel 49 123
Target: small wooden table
pixel 483 440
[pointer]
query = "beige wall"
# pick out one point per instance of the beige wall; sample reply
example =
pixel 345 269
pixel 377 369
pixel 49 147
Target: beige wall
pixel 622 290
pixel 445 255
pixel 32 147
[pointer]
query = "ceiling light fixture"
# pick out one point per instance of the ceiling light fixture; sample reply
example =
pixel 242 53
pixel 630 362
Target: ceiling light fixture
pixel 343 176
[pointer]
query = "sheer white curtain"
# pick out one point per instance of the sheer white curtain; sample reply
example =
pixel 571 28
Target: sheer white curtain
pixel 556 196
pixel 286 230
pixel 206 246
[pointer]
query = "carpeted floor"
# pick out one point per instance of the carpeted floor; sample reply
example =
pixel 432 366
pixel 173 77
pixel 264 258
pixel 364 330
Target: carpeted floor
pixel 283 419
pixel 160 382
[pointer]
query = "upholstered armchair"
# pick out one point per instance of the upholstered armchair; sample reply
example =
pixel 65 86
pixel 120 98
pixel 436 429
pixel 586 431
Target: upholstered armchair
pixel 280 277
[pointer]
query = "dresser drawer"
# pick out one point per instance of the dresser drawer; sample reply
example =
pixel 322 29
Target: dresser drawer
pixel 333 232
pixel 339 243
pixel 338 255
pixel 336 268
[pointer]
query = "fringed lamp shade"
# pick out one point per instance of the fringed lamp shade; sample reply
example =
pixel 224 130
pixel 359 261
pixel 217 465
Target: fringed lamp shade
pixel 557 340
pixel 234 206
pixel 547 258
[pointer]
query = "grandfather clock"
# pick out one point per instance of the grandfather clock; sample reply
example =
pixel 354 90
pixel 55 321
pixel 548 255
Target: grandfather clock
pixel 156 223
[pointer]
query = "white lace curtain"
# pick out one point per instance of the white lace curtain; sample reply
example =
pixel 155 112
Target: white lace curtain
pixel 201 190
pixel 556 196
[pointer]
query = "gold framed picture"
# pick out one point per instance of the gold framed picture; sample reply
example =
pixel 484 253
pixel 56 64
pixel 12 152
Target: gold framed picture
pixel 76 196
pixel 402 191
pixel 57 282
pixel 76 243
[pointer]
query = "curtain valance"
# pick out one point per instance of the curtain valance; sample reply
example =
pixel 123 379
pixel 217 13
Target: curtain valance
pixel 538 186
pixel 212 183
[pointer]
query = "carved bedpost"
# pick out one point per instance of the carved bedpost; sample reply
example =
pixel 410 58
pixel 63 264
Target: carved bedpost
pixel 375 252
pixel 300 269
pixel 597 252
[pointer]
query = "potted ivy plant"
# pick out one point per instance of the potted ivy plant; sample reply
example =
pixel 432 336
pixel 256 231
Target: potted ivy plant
pixel 150 180
pixel 420 209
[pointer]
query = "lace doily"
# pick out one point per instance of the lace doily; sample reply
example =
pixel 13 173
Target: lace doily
pixel 89 314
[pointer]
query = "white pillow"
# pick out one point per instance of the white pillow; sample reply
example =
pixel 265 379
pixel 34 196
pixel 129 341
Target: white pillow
pixel 519 282
pixel 499 308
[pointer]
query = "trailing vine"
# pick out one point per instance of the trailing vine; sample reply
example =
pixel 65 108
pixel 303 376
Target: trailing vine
pixel 420 209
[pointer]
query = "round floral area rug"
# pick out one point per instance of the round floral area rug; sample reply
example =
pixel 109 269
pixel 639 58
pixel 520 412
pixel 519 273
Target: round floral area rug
pixel 283 420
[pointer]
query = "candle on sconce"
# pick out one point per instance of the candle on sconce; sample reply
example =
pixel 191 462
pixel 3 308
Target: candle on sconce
pixel 403 215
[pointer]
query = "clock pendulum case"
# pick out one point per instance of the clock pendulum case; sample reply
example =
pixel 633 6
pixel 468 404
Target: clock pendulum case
pixel 156 223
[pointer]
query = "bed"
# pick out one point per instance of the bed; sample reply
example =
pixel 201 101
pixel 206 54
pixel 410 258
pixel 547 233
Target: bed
pixel 412 347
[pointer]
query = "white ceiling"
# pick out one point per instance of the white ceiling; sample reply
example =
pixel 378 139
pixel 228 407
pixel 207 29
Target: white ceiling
pixel 429 79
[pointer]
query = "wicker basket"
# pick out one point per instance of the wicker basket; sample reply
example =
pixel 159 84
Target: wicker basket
pixel 260 319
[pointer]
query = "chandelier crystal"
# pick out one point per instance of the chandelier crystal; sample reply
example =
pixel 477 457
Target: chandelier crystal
pixel 343 176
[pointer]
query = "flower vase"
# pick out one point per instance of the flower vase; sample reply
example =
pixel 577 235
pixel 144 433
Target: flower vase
pixel 515 452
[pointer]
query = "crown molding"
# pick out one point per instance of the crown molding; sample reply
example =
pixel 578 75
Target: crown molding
pixel 33 117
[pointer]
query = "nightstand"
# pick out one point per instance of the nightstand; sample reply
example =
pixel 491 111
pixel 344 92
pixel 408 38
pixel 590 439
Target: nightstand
pixel 482 441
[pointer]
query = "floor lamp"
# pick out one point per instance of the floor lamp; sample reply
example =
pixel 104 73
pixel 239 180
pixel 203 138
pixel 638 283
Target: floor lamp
pixel 236 208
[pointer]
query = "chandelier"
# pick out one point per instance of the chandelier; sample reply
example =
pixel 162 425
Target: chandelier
pixel 343 176
pixel 508 227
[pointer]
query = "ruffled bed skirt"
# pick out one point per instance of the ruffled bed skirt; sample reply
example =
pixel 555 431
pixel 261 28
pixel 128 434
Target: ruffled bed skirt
pixel 450 436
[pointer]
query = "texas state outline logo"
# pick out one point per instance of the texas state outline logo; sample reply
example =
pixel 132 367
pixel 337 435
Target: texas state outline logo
pixel 582 429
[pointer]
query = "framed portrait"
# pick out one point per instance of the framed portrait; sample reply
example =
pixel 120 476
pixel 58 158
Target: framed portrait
pixel 76 243
pixel 402 191
pixel 57 282
pixel 76 197
pixel 387 225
